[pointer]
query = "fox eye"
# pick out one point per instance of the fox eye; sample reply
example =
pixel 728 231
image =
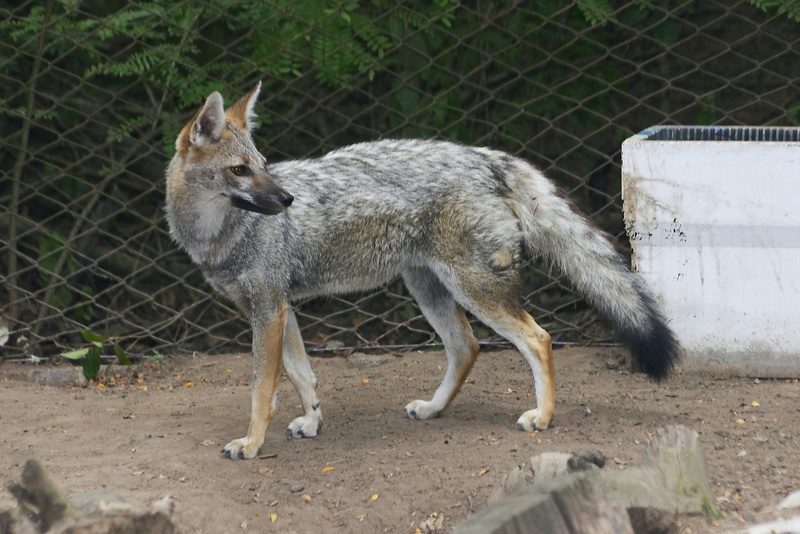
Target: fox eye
pixel 238 170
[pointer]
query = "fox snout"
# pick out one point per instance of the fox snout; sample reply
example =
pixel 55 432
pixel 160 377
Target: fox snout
pixel 267 203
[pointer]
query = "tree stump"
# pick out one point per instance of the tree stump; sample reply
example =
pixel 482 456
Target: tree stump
pixel 646 498
pixel 43 509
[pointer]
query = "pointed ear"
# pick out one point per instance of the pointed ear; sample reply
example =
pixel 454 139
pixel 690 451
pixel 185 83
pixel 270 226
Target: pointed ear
pixel 207 126
pixel 241 113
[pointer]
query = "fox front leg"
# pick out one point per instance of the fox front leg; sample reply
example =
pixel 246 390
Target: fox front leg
pixel 267 361
pixel 298 367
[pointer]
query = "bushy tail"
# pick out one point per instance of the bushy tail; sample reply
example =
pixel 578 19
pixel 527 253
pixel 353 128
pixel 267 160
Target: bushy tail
pixel 555 231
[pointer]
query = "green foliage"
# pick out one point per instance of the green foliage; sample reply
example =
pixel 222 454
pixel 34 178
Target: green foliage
pixel 173 54
pixel 793 113
pixel 51 249
pixel 595 11
pixel 600 11
pixel 156 358
pixel 790 8
pixel 707 115
pixel 92 356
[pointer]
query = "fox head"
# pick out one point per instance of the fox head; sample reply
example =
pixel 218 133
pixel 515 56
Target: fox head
pixel 216 161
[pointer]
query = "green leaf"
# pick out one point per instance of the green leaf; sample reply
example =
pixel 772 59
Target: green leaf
pixel 93 338
pixel 91 364
pixel 596 11
pixel 122 357
pixel 156 357
pixel 75 354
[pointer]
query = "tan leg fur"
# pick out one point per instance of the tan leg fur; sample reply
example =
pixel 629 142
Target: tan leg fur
pixel 267 360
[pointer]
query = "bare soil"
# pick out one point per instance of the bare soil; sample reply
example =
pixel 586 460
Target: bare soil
pixel 157 429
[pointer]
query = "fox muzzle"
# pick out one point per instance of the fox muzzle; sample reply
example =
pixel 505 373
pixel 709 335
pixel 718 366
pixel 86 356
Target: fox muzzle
pixel 265 204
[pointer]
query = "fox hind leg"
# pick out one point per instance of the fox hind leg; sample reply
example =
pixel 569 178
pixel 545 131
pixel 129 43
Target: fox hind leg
pixel 533 342
pixel 492 295
pixel 447 317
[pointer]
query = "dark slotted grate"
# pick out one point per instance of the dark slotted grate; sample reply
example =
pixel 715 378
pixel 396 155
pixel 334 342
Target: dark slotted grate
pixel 721 133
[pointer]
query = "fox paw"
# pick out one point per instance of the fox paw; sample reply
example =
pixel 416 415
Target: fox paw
pixel 420 409
pixel 305 427
pixel 533 420
pixel 239 449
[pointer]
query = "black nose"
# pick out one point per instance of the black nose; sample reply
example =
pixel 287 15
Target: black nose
pixel 286 199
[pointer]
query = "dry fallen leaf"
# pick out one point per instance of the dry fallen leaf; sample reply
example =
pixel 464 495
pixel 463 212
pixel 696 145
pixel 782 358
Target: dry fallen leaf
pixel 483 471
pixel 374 497
pixel 328 469
pixel 273 517
pixel 365 381
pixel 188 384
pixel 306 497
pixel 740 421
pixel 755 404
pixel 362 517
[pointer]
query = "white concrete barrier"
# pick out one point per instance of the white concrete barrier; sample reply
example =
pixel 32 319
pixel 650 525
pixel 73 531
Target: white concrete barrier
pixel 713 215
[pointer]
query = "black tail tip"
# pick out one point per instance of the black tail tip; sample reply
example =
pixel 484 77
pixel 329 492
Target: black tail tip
pixel 657 352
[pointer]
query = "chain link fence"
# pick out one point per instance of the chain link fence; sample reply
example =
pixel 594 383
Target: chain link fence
pixel 94 93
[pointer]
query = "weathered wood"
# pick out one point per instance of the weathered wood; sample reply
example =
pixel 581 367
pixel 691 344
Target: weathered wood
pixel 38 496
pixel 670 479
pixel 670 476
pixel 544 467
pixel 42 508
pixel 564 505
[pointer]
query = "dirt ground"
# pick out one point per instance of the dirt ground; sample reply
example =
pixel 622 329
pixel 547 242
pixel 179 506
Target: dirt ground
pixel 157 429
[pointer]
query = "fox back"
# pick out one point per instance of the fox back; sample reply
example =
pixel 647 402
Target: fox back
pixel 359 215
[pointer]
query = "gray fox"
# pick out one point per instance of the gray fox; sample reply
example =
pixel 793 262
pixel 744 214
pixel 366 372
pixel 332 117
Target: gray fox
pixel 455 222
